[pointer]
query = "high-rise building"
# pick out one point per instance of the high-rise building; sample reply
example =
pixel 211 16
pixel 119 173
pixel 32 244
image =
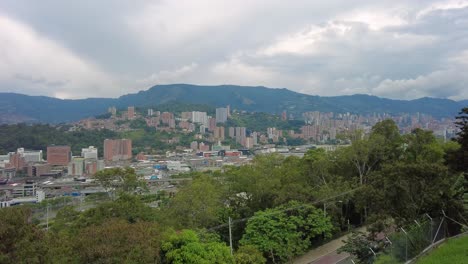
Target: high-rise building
pixel 30 155
pixel 211 124
pixel 93 166
pixel 112 110
pixel 219 133
pixel 131 112
pixel 76 166
pixel 202 129
pixel 221 115
pixel 200 118
pixel 186 115
pixel 240 134
pixel 255 138
pixel 166 117
pixel 17 161
pixel 150 112
pixel 232 132
pixel 117 149
pixel 89 153
pixel 59 155
pixel 284 116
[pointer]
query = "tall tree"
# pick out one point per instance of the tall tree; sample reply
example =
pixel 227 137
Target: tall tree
pixel 196 205
pixel 187 247
pixel 20 240
pixel 286 231
pixel 459 159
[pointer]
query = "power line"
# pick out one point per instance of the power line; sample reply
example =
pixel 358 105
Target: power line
pixel 287 209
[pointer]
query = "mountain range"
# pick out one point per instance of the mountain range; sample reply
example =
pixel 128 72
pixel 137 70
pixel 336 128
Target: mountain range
pixel 16 108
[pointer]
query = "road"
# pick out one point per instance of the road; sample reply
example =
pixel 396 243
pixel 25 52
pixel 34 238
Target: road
pixel 325 254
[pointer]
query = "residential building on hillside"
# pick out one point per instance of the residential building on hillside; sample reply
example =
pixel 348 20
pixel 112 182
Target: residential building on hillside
pixel 221 115
pixel 131 112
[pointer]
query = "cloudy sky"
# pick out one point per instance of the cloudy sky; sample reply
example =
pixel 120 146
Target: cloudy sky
pixel 87 48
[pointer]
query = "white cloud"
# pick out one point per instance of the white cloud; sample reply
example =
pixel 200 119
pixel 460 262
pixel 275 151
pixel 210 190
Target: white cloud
pixel 443 6
pixel 43 66
pixel 376 19
pixel 167 77
pixel 443 83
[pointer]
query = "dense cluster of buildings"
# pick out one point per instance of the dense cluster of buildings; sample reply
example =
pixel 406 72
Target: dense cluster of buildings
pixel 318 127
pixel 60 161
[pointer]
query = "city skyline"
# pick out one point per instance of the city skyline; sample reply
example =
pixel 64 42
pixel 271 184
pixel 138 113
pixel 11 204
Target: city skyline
pixel 391 49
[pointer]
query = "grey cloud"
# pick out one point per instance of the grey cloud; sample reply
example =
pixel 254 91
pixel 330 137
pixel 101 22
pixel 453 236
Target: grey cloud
pixel 40 80
pixel 398 49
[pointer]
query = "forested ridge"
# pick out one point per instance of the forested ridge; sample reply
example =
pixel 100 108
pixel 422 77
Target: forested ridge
pixel 276 205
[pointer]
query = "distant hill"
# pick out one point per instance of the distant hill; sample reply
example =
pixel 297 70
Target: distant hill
pixel 24 108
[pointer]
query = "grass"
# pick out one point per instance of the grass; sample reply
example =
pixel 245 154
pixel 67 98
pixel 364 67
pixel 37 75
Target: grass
pixel 454 251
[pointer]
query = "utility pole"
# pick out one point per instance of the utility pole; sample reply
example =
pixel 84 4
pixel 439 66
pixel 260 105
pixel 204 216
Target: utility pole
pixel 230 235
pixel 47 217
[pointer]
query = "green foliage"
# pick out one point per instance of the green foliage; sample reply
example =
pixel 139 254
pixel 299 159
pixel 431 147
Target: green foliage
pixel 115 241
pixel 186 247
pixel 386 259
pixel 196 205
pixel 405 191
pixel 457 159
pixel 286 231
pixel 122 179
pixel 358 245
pixel 19 238
pixel 138 123
pixel 452 251
pixel 249 255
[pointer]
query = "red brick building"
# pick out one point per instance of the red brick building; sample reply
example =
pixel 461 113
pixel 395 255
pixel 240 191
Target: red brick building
pixel 59 155
pixel 117 149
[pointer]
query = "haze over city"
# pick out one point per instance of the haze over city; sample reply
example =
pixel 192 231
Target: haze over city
pixel 393 49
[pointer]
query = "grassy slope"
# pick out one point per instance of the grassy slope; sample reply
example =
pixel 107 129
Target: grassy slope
pixel 452 252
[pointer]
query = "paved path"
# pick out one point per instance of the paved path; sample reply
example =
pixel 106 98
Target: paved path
pixel 325 254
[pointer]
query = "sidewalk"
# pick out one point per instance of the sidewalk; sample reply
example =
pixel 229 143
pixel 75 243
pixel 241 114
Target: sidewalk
pixel 325 253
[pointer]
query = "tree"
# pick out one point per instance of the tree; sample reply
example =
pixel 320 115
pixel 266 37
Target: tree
pixel 186 247
pixel 256 184
pixel 458 159
pixel 286 231
pixel 196 205
pixel 359 246
pixel 249 255
pixel 127 207
pixel 19 238
pixel 123 179
pixel 117 241
pixel 422 146
pixel 404 191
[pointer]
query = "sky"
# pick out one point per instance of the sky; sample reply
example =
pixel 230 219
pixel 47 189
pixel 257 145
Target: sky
pixel 107 48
